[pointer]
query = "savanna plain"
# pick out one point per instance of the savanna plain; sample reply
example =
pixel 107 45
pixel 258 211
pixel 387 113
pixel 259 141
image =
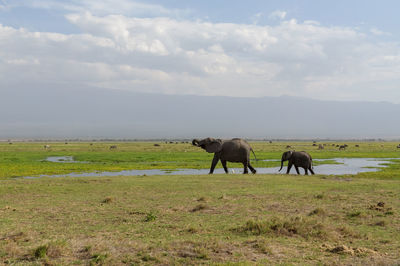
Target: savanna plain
pixel 215 219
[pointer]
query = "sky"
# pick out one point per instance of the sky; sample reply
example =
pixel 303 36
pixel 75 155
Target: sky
pixel 327 50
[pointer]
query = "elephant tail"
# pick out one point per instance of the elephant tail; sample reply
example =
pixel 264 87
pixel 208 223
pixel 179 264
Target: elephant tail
pixel 254 154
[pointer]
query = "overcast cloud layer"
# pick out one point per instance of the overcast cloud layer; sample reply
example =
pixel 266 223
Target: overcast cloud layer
pixel 126 45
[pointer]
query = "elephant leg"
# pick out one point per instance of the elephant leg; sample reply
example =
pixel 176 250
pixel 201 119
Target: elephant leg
pixel 245 166
pixel 214 163
pixel 224 165
pixel 288 168
pixel 311 170
pixel 252 169
pixel 305 169
pixel 297 169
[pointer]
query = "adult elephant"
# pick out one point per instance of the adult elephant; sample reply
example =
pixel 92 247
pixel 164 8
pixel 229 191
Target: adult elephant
pixel 235 150
pixel 298 159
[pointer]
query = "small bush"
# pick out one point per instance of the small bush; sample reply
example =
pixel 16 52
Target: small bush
pixel 355 214
pixel 108 200
pixel 380 223
pixel 98 258
pixel 55 249
pixel 41 252
pixel 346 231
pixel 262 246
pixel 146 257
pixel 201 253
pixel 192 230
pixel 150 217
pixel 317 211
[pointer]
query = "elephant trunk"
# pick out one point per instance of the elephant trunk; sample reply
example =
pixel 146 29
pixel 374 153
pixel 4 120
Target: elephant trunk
pixel 195 142
pixel 281 165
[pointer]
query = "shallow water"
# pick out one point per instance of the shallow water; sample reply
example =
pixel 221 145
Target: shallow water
pixel 344 166
pixel 62 159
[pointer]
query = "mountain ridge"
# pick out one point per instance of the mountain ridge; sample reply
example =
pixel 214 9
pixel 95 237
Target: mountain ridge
pixel 99 113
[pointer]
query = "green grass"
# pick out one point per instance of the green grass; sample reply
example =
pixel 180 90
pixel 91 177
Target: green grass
pixel 196 219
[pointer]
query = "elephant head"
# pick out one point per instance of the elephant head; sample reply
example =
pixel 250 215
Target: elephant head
pixel 209 144
pixel 285 156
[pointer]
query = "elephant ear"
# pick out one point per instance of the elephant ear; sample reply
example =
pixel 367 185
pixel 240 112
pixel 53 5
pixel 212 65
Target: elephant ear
pixel 288 155
pixel 214 145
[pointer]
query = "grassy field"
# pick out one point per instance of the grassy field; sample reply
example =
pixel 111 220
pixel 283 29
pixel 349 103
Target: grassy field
pixel 28 159
pixel 197 219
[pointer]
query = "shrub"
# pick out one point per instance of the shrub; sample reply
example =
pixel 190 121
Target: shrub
pixel 317 211
pixel 99 258
pixel 41 252
pixel 108 200
pixel 150 217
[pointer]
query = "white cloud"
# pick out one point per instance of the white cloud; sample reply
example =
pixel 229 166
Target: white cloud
pixel 278 14
pixel 166 55
pixel 378 32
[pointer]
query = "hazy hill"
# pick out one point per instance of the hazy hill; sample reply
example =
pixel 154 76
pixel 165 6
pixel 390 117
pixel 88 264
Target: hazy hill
pixel 43 113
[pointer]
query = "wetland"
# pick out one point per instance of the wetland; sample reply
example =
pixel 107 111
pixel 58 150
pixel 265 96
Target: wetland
pixel 170 216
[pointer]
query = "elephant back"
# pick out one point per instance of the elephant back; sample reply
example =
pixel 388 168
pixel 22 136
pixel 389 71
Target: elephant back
pixel 303 158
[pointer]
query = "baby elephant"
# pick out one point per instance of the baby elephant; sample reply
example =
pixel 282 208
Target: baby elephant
pixel 234 150
pixel 298 159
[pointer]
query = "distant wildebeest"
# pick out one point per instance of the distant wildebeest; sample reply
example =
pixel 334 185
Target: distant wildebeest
pixel 288 147
pixel 342 147
pixel 91 144
pixel 398 146
pixel 112 147
pixel 314 144
pixel 66 142
pixel 357 146
pixel 10 143
pixel 270 141
pixel 320 147
pixel 157 145
pixel 46 146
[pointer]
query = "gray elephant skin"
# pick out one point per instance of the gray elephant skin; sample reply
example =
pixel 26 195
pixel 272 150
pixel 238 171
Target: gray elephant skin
pixel 235 150
pixel 298 159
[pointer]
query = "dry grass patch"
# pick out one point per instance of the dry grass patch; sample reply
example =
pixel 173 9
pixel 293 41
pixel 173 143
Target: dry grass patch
pixel 290 226
pixel 200 207
pixel 318 212
pixel 343 249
